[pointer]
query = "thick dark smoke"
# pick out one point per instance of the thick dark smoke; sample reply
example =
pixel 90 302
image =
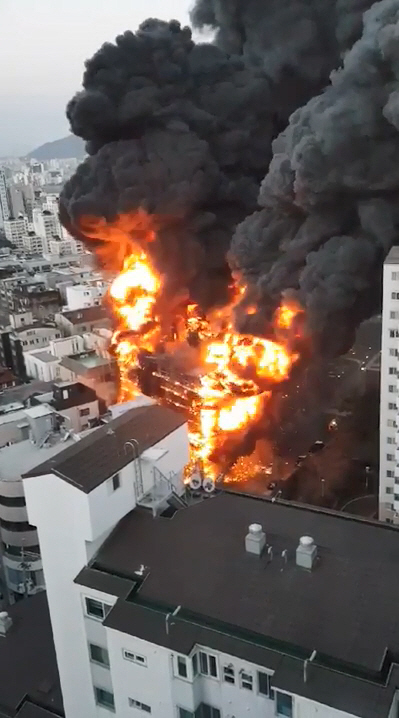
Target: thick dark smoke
pixel 331 197
pixel 181 130
pixel 185 131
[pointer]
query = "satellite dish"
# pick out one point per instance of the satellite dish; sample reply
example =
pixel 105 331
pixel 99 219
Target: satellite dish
pixel 195 482
pixel 208 485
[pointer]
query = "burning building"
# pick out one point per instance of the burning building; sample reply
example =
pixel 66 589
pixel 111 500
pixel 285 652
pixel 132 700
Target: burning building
pixel 180 136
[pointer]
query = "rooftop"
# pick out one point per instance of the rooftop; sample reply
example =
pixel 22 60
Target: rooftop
pixel 28 666
pixel 22 457
pixel 86 314
pixel 43 356
pixel 24 391
pixel 345 608
pixel 392 256
pixel 101 454
pixel 85 361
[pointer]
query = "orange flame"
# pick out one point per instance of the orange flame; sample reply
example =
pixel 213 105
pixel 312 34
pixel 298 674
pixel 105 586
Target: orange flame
pixel 236 371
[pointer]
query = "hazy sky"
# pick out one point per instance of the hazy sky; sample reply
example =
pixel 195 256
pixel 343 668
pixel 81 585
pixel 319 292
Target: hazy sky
pixel 43 45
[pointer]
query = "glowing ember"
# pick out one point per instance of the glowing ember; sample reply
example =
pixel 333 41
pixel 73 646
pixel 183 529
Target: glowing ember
pixel 236 371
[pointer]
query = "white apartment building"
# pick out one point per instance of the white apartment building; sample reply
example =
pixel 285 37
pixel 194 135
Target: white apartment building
pixel 176 609
pixel 15 230
pixel 389 412
pixel 85 295
pixel 46 225
pixel 32 243
pixel 61 247
pixel 44 363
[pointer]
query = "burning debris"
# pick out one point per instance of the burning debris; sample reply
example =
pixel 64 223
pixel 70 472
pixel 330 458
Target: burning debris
pixel 179 138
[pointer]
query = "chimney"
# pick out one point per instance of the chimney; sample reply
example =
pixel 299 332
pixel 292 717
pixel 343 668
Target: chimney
pixel 306 553
pixel 5 623
pixel 255 540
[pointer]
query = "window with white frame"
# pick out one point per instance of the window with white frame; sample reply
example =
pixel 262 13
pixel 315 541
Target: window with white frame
pixel 229 674
pixel 194 663
pixel 104 698
pixel 246 680
pixel 207 664
pixel 181 666
pixel 133 703
pixel 134 657
pixel 96 609
pixel 98 654
pixel 390 457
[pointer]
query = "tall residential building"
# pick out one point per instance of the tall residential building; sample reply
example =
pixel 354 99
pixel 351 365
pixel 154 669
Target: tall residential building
pixel 220 608
pixel 15 229
pixel 17 201
pixel 5 209
pixel 46 225
pixel 389 412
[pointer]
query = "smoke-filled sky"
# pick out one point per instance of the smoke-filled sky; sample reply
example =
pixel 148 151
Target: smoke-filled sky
pixel 43 45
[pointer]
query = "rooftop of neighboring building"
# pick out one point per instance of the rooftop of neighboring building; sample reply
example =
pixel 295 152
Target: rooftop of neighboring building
pixel 24 456
pixel 42 355
pixel 81 363
pixel 28 667
pixel 85 314
pixel 345 608
pixel 92 460
pixel 36 325
pixel 392 256
pixel 69 394
pixel 23 392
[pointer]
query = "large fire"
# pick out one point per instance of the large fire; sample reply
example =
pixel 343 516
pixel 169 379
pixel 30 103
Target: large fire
pixel 236 372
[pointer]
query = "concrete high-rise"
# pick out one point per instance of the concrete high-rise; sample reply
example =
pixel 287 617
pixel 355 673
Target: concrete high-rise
pixel 389 419
pixel 5 209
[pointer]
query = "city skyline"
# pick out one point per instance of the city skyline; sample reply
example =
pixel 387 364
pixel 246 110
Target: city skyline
pixel 52 42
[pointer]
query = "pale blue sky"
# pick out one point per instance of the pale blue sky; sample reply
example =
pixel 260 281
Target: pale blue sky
pixel 43 44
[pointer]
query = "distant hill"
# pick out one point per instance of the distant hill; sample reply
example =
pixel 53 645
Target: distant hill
pixel 70 146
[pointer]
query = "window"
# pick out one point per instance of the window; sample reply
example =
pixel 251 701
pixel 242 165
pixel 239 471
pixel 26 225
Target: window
pixel 392 370
pixel 390 474
pixel 392 406
pixel 96 609
pixel 116 482
pixel 389 490
pixel 393 315
pixel 204 710
pixel 182 666
pixel 392 388
pixel 183 713
pixel 395 295
pixel 390 457
pixel 194 662
pixel 264 685
pixel 390 440
pixel 104 698
pixel 284 704
pixel 98 654
pixel 207 664
pixel 84 412
pixel 393 352
pixel 395 275
pixel 134 657
pixel 229 674
pixel 246 680
pixel 391 423
pixel 394 333
pixel 138 704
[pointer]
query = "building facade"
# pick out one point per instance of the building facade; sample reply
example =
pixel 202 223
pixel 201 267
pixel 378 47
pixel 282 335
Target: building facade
pixel 389 414
pixel 193 611
pixel 15 229
pixel 5 209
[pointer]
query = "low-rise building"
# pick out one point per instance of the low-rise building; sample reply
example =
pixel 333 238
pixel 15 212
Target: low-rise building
pixel 83 320
pixel 44 363
pixel 32 243
pixel 231 606
pixel 15 228
pixel 22 335
pixel 85 295
pixel 96 372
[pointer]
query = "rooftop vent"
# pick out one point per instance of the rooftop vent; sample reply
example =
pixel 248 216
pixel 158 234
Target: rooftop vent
pixel 5 623
pixel 255 540
pixel 306 553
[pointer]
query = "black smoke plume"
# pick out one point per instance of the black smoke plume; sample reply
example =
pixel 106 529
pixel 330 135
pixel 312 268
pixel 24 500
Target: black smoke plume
pixel 187 132
pixel 330 209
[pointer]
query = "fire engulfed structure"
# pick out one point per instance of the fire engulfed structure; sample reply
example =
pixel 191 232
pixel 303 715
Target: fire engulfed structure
pixel 166 347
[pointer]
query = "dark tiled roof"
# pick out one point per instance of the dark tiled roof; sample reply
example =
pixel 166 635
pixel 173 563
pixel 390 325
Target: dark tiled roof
pixel 102 453
pixel 86 314
pixel 28 666
pixel 33 710
pixel 345 608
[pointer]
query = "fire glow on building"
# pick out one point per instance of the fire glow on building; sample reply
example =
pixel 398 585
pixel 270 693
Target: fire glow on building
pixel 199 364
